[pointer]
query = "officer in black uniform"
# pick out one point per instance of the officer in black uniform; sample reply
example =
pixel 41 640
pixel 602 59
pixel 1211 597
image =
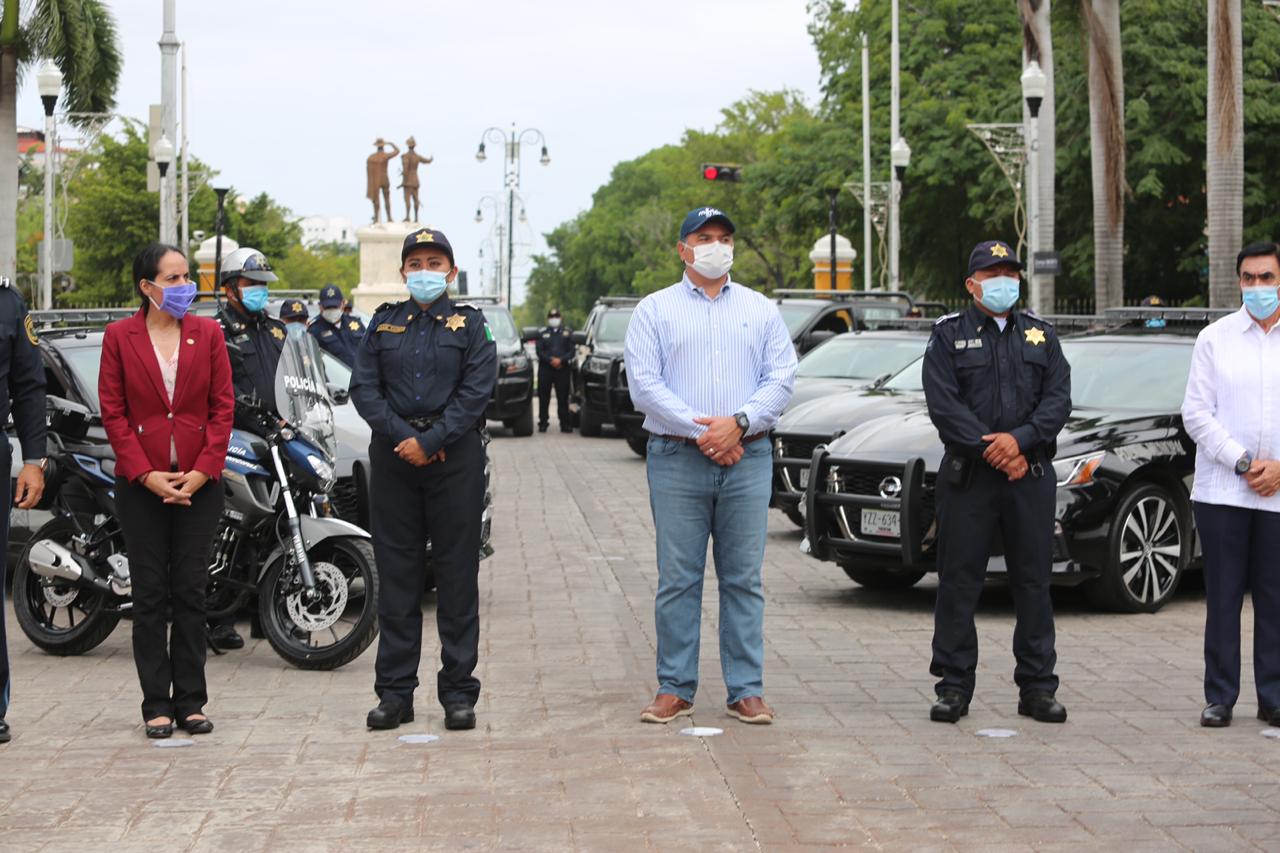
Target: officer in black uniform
pixel 22 376
pixel 999 391
pixel 254 343
pixel 336 331
pixel 555 351
pixel 424 374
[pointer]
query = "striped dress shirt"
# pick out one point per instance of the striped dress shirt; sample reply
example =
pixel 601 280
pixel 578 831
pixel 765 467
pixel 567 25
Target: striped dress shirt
pixel 1232 405
pixel 689 357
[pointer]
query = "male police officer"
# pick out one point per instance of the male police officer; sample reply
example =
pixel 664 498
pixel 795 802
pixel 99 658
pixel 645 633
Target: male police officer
pixel 22 374
pixel 337 332
pixel 424 374
pixel 555 350
pixel 254 343
pixel 999 391
pixel 294 315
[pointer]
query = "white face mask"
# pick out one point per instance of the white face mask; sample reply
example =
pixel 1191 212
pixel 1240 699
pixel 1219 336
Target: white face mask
pixel 554 322
pixel 712 260
pixel 332 315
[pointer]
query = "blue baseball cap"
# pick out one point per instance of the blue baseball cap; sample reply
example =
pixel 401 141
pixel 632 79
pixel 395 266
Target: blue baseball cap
pixel 700 216
pixel 991 253
pixel 330 296
pixel 293 309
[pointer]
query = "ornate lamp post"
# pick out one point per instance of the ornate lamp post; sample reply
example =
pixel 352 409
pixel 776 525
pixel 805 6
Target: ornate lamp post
pixel 49 83
pixel 514 144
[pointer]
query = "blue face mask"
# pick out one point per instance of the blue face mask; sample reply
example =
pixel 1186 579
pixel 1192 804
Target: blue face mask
pixel 254 298
pixel 1261 301
pixel 177 299
pixel 296 330
pixel 999 293
pixel 425 286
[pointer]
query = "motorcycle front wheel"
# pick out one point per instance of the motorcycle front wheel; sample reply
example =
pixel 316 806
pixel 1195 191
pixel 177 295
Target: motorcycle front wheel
pixel 333 628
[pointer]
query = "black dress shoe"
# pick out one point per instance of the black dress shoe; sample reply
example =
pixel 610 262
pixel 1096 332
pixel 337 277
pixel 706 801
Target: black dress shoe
pixel 225 637
pixel 196 727
pixel 949 708
pixel 1270 716
pixel 389 714
pixel 160 732
pixel 1042 707
pixel 4 732
pixel 1215 716
pixel 542 427
pixel 566 429
pixel 459 717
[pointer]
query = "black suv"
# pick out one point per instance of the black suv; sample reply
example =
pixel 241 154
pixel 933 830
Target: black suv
pixel 1123 470
pixel 600 344
pixel 512 401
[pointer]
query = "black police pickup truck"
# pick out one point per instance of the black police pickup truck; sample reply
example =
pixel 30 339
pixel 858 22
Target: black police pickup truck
pixel 1123 523
pixel 600 344
pixel 512 401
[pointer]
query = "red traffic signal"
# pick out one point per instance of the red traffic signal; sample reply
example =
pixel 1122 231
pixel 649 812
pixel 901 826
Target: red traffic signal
pixel 718 172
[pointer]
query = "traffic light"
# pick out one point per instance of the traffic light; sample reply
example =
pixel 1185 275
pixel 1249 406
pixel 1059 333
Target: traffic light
pixel 720 172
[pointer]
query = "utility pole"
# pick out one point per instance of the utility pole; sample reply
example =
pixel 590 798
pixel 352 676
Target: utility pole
pixel 185 245
pixel 866 165
pixel 169 45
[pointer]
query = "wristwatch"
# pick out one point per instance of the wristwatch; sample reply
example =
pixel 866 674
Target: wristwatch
pixel 744 423
pixel 1244 463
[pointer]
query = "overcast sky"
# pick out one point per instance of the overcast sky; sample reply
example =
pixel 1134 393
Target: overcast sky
pixel 287 96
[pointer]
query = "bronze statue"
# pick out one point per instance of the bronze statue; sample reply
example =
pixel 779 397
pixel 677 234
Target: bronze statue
pixel 409 162
pixel 378 182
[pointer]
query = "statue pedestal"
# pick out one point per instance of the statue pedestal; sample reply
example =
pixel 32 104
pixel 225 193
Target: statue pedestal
pixel 380 264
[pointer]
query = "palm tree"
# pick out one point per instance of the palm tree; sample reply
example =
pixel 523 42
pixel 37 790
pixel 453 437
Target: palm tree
pixel 1225 151
pixel 1106 148
pixel 78 35
pixel 1037 44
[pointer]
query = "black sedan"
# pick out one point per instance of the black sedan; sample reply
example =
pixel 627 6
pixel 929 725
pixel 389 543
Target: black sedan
pixel 1123 469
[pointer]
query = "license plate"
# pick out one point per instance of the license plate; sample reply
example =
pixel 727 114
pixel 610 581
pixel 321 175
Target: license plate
pixel 804 478
pixel 879 522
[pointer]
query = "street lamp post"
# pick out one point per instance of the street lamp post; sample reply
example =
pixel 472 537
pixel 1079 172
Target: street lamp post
pixel 832 195
pixel 164 156
pixel 49 82
pixel 219 225
pixel 899 158
pixel 866 165
pixel 496 204
pixel 1033 89
pixel 514 143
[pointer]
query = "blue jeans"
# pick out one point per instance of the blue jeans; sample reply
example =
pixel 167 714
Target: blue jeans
pixel 692 499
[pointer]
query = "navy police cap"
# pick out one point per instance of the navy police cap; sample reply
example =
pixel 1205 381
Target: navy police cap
pixel 330 296
pixel 990 254
pixel 427 237
pixel 293 309
pixel 700 216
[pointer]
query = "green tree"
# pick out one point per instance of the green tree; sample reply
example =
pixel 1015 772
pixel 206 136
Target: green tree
pixel 302 268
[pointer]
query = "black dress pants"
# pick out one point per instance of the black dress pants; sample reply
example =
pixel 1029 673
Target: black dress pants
pixel 441 502
pixel 1241 550
pixel 168 548
pixel 7 491
pixel 558 378
pixel 968 517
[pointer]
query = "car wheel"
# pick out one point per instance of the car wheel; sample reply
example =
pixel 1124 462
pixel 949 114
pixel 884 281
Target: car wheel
pixel 876 578
pixel 796 514
pixel 639 443
pixel 522 425
pixel 589 423
pixel 1148 549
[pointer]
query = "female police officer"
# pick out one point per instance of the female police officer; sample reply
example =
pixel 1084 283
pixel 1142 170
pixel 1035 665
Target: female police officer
pixel 423 376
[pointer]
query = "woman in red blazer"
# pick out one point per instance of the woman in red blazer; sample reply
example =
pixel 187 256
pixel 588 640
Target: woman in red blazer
pixel 167 406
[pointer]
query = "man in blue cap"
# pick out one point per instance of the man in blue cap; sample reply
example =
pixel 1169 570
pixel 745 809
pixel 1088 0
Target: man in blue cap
pixel 337 333
pixel 999 391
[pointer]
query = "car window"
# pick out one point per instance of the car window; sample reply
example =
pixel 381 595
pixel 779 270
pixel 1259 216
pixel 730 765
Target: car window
pixel 795 316
pixel 612 328
pixel 502 325
pixel 835 321
pixel 335 371
pixel 1146 376
pixel 84 362
pixel 910 378
pixel 860 357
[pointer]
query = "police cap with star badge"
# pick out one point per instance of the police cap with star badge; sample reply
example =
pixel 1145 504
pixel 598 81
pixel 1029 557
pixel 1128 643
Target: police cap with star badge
pixel 990 254
pixel 427 237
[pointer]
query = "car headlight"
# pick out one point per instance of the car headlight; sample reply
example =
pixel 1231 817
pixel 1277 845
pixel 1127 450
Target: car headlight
pixel 1077 470
pixel 596 365
pixel 515 363
pixel 323 471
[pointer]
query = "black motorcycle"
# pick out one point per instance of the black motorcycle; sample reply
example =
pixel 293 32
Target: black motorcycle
pixel 310 576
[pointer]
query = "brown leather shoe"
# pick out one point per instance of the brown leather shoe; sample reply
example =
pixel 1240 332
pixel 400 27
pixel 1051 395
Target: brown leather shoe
pixel 752 710
pixel 665 708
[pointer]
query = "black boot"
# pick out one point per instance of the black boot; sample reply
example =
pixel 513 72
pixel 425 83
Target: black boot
pixel 950 707
pixel 389 714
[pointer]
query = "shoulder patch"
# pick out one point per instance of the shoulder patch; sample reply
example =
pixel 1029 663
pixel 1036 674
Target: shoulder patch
pixel 944 318
pixel 30 326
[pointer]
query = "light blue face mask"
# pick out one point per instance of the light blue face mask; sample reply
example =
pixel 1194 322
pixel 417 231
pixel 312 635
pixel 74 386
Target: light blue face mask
pixel 296 330
pixel 425 286
pixel 999 293
pixel 1261 301
pixel 254 298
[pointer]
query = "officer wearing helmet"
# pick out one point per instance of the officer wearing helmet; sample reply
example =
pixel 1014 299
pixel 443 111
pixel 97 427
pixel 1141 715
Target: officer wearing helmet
pixel 337 332
pixel 254 343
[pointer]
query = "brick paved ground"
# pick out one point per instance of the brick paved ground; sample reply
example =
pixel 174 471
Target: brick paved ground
pixel 560 761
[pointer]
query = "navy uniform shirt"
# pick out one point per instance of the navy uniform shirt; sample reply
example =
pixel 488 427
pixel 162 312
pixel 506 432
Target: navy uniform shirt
pixel 340 339
pixel 254 345
pixel 414 362
pixel 22 374
pixel 554 343
pixel 979 380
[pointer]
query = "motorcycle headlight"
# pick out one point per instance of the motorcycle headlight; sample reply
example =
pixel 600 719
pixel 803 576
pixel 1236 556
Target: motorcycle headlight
pixel 322 470
pixel 515 364
pixel 1077 470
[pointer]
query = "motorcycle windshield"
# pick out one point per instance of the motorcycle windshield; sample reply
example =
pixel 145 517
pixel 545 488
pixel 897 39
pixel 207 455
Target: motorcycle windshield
pixel 302 396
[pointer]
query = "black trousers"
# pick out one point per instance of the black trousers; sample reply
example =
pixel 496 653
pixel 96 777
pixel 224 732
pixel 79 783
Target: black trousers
pixel 6 456
pixel 168 548
pixel 1241 549
pixel 968 516
pixel 441 502
pixel 558 378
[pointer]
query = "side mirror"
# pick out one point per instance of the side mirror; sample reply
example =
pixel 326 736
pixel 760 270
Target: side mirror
pixel 66 418
pixel 339 394
pixel 579 338
pixel 529 334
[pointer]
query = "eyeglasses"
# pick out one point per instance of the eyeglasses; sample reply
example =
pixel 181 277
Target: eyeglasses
pixel 1266 278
